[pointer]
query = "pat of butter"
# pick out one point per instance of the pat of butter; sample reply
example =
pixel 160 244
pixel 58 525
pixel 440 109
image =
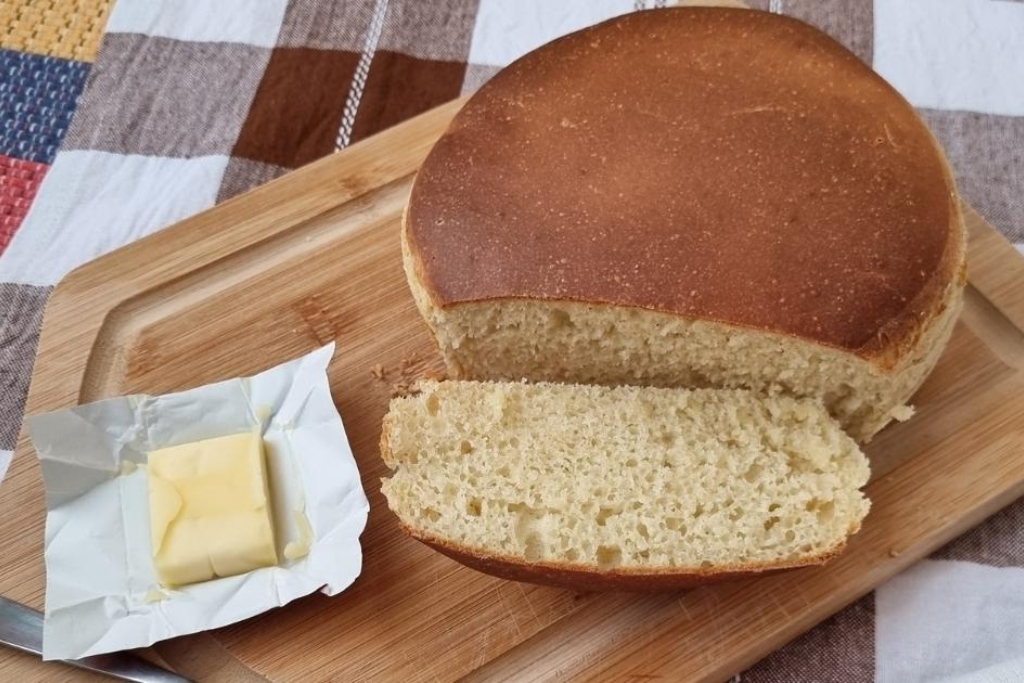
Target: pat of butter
pixel 209 508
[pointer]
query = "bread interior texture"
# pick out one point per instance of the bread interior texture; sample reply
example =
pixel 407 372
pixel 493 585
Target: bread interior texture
pixel 564 341
pixel 626 477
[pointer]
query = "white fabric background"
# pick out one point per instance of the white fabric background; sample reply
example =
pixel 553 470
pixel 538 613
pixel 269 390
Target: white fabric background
pixel 71 220
pixel 253 22
pixel 943 620
pixel 953 54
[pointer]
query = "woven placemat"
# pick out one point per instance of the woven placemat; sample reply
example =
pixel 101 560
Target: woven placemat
pixel 70 29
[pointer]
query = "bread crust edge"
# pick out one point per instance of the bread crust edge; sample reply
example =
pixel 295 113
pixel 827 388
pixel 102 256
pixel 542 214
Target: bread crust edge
pixel 586 578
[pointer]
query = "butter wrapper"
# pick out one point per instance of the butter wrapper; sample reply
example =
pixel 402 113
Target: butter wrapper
pixel 102 592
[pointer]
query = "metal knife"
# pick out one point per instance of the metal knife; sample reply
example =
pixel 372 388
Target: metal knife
pixel 21 627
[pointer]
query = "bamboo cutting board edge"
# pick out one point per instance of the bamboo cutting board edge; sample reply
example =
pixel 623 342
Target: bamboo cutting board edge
pixel 97 323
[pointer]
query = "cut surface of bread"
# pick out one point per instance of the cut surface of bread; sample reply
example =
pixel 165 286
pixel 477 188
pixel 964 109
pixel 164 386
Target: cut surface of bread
pixel 621 488
pixel 690 197
pixel 569 341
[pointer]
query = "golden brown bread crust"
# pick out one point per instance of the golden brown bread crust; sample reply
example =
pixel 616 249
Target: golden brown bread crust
pixel 722 164
pixel 592 579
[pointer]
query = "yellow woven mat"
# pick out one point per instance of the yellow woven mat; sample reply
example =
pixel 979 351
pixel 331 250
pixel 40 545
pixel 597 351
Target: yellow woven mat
pixel 60 28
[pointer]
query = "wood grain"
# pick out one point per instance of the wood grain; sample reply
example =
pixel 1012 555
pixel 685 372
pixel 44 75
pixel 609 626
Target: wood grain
pixel 314 257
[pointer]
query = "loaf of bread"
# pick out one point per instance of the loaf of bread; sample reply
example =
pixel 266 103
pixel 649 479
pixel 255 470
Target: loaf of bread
pixel 700 197
pixel 624 488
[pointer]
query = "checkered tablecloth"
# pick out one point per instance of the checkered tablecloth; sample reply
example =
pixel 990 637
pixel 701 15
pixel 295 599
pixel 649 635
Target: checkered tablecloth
pixel 120 118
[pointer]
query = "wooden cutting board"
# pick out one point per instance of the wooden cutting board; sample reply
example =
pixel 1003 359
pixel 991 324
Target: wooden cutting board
pixel 314 257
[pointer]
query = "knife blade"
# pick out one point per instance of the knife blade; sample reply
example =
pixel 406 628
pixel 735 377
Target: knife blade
pixel 21 627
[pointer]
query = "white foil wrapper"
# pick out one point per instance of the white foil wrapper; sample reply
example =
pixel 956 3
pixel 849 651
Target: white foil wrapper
pixel 102 592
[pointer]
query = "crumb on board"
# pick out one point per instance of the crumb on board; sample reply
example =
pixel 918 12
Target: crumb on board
pixel 902 413
pixel 402 388
pixel 893 552
pixel 407 375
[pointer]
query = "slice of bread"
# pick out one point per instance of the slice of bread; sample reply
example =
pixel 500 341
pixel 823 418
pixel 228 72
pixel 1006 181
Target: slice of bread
pixel 624 488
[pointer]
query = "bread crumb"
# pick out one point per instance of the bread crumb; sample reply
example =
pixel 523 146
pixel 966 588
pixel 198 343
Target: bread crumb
pixel 402 388
pixel 893 552
pixel 902 413
pixel 435 375
pixel 408 373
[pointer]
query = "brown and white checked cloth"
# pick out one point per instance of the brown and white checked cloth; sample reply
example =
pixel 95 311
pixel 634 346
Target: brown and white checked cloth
pixel 190 102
